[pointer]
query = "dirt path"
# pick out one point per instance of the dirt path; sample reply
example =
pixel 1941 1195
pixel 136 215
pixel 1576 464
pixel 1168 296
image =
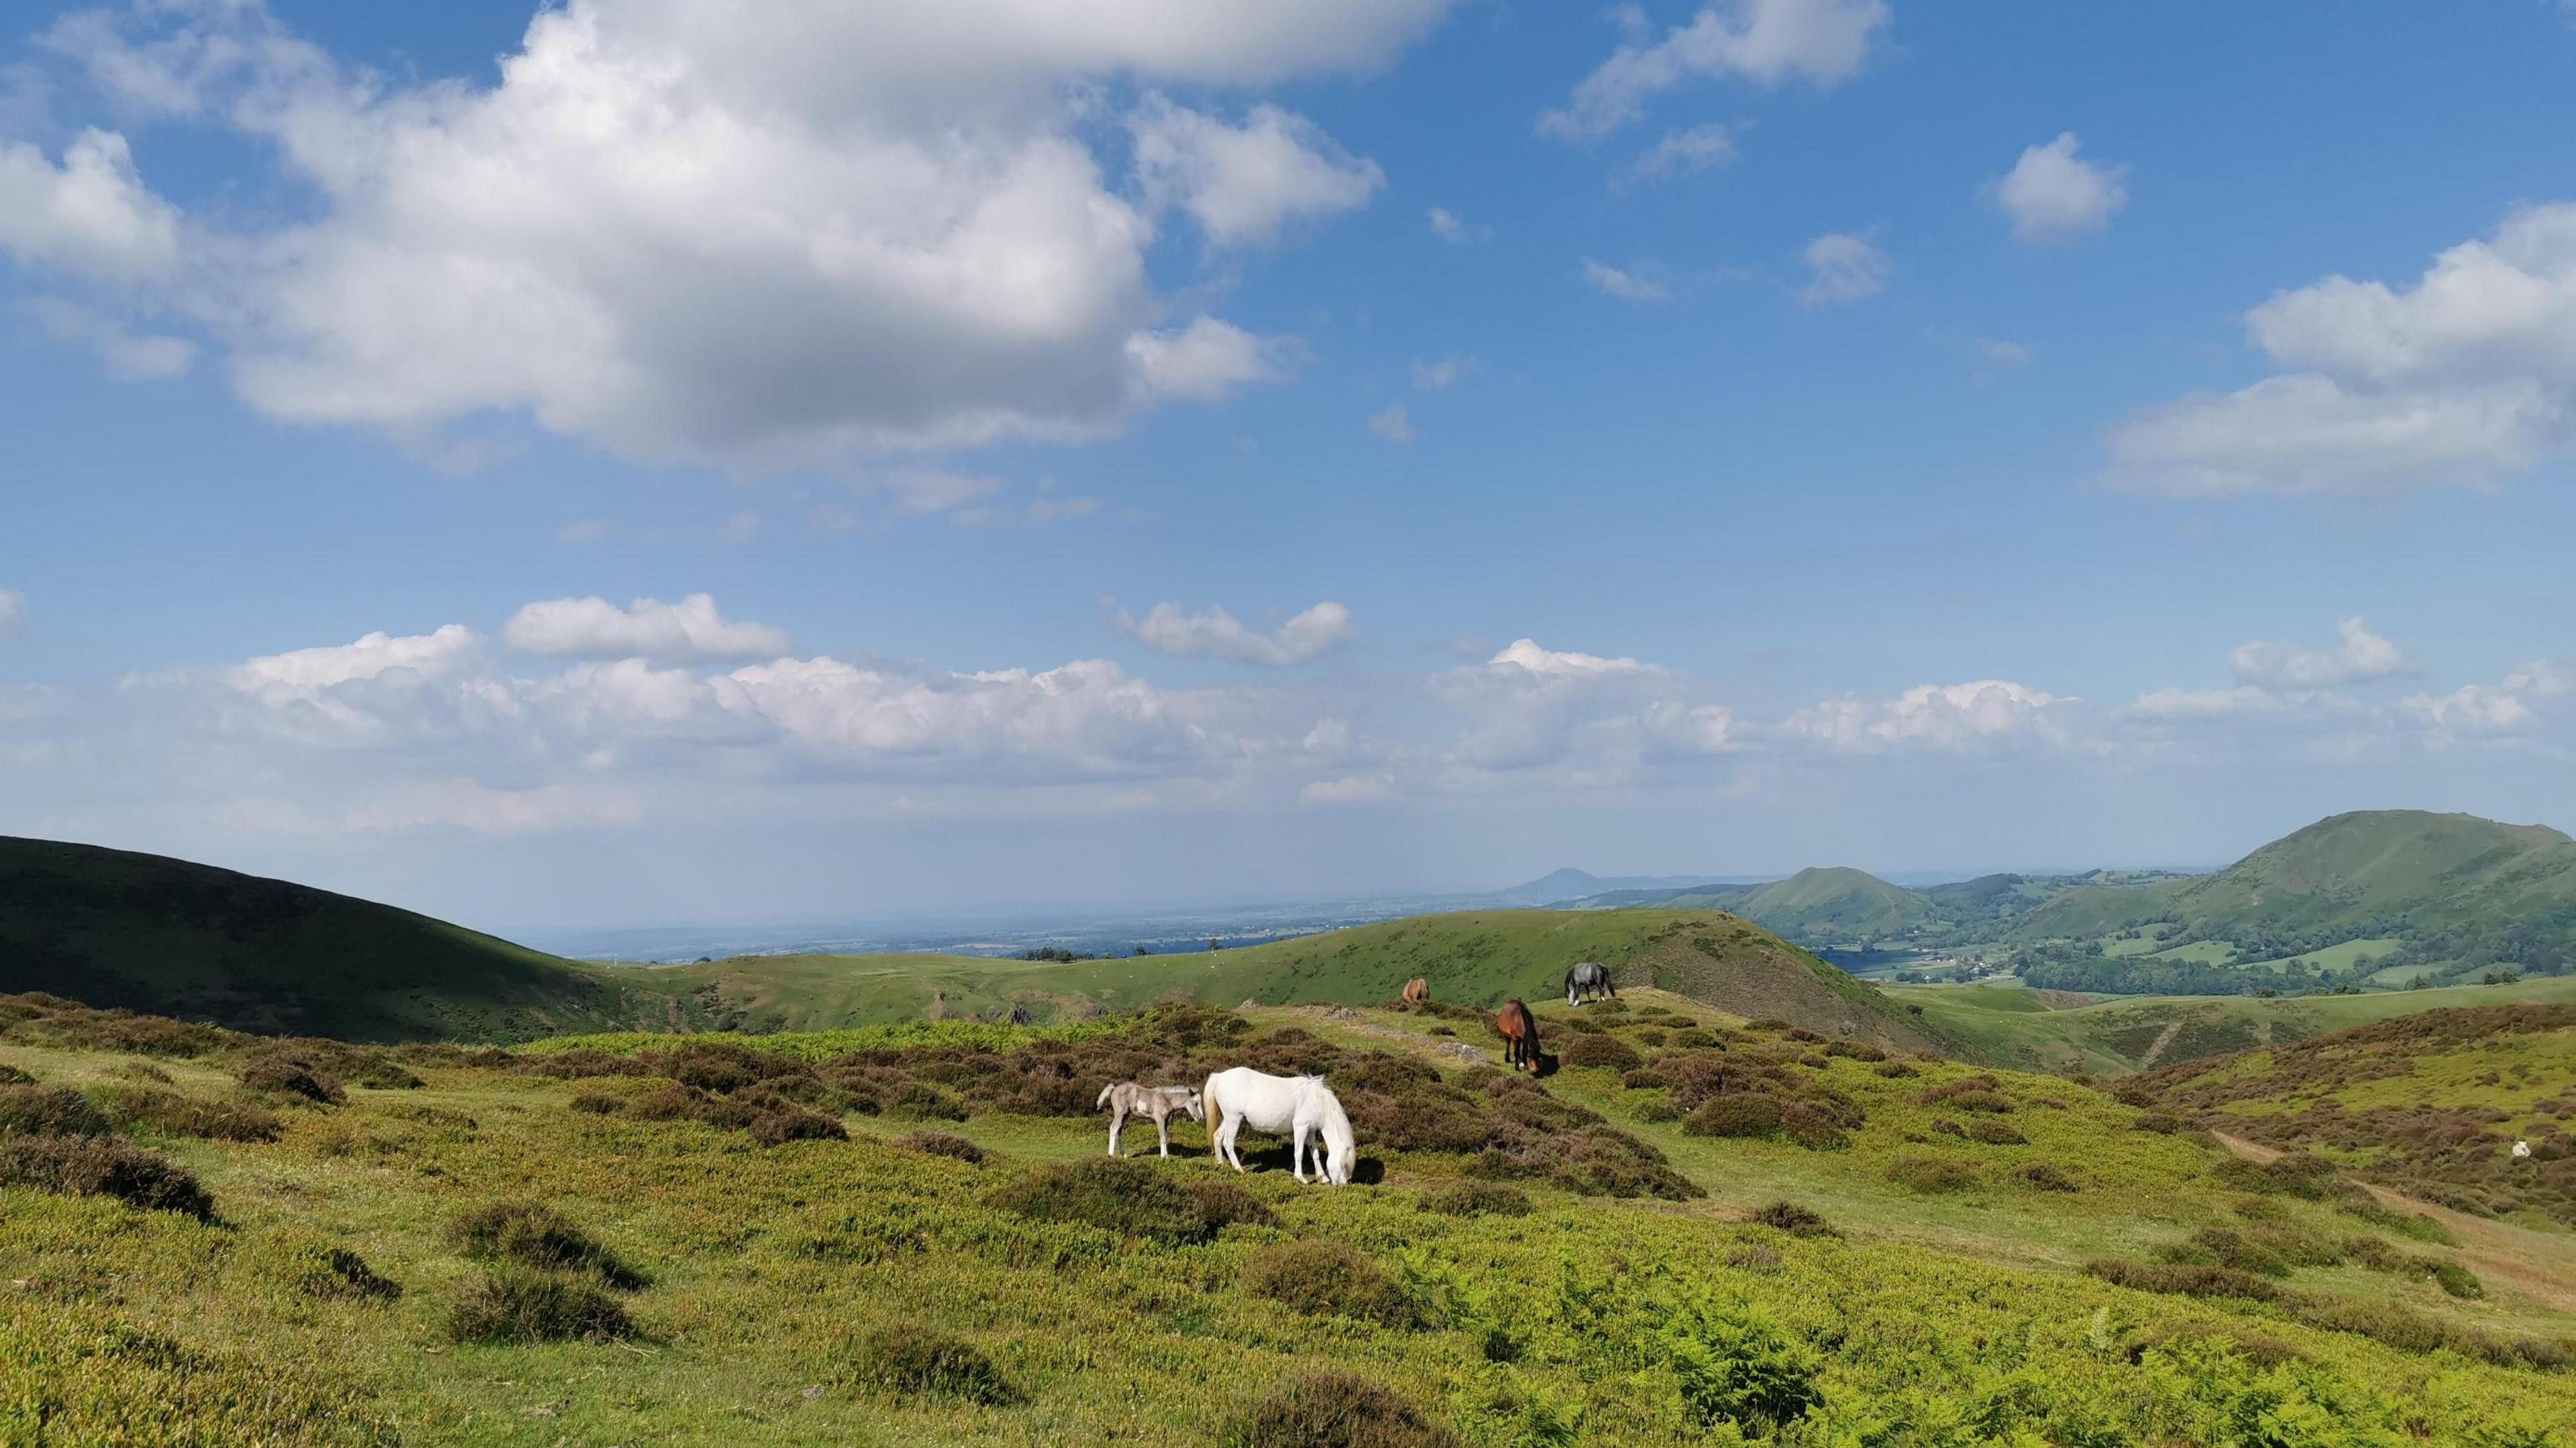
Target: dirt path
pixel 2538 1265
pixel 2163 1039
pixel 1447 1052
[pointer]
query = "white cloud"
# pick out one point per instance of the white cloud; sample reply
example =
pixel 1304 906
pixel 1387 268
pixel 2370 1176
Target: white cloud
pixel 1394 422
pixel 1349 789
pixel 1205 361
pixel 2175 704
pixel 92 216
pixel 1950 717
pixel 1628 286
pixel 2055 196
pixel 689 630
pixel 127 356
pixel 1243 184
pixel 1451 228
pixel 1844 268
pixel 1700 148
pixel 453 803
pixel 304 672
pixel 13 613
pixel 1764 41
pixel 2468 379
pixel 739 528
pixel 1215 633
pixel 757 235
pixel 2356 656
pixel 1440 376
pixel 2469 709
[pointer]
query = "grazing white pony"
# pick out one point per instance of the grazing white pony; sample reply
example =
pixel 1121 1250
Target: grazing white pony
pixel 1157 1104
pixel 1297 1107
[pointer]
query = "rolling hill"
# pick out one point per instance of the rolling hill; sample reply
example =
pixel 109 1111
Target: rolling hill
pixel 113 928
pixel 2452 889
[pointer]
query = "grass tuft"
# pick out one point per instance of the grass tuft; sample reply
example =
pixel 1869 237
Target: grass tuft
pixel 1475 1199
pixel 532 1235
pixel 943 1143
pixel 1337 1410
pixel 1327 1279
pixel 510 1306
pixel 100 1166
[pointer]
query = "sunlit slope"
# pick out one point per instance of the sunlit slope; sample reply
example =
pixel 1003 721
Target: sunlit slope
pixel 1476 958
pixel 2010 1026
pixel 116 928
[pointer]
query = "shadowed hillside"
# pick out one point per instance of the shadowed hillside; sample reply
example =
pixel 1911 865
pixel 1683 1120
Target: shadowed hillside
pixel 114 928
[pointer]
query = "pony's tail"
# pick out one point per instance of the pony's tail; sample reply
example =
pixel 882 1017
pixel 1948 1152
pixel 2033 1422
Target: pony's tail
pixel 1104 1096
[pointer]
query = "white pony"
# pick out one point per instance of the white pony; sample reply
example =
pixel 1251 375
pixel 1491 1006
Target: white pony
pixel 1297 1107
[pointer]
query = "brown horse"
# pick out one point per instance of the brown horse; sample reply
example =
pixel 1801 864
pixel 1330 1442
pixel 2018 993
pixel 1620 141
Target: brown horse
pixel 1519 1031
pixel 1417 993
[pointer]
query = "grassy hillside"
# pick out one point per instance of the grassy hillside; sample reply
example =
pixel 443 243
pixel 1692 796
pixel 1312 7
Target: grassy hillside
pixel 2449 891
pixel 1836 902
pixel 2429 1103
pixel 1476 958
pixel 2037 1030
pixel 1905 1265
pixel 115 928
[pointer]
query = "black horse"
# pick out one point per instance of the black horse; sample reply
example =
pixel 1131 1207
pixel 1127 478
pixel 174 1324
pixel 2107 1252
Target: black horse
pixel 1588 981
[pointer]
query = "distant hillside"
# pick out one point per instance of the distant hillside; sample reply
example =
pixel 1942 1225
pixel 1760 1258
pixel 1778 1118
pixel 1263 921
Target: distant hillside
pixel 2044 1030
pixel 2429 1103
pixel 2452 889
pixel 1473 958
pixel 1836 901
pixel 114 928
pixel 1562 885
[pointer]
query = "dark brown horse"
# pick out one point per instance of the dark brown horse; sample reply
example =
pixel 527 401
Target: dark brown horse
pixel 1417 993
pixel 1519 1031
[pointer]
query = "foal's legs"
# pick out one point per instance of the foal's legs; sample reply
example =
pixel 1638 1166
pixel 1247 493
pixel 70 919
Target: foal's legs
pixel 1163 1133
pixel 1117 1119
pixel 1297 1153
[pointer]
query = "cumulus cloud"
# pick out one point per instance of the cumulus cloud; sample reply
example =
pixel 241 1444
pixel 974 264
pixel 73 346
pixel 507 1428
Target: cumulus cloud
pixel 1440 376
pixel 1214 633
pixel 1349 789
pixel 1455 230
pixel 2357 655
pixel 1573 718
pixel 2466 379
pixel 2055 196
pixel 753 234
pixel 1767 42
pixel 13 613
pixel 1394 422
pixel 689 630
pixel 91 216
pixel 1679 153
pixel 1951 717
pixel 1243 184
pixel 1627 286
pixel 1843 268
pixel 2173 704
pixel 305 672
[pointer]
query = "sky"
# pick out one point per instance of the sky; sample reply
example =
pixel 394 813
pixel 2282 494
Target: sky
pixel 668 461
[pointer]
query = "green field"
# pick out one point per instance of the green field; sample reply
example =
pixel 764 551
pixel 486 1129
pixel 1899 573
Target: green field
pixel 2005 1025
pixel 1934 1294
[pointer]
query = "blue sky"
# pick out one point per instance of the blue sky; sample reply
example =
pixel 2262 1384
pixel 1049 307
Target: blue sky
pixel 1910 436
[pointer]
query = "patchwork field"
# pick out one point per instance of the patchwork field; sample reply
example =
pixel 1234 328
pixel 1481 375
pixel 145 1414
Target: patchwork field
pixel 1701 1228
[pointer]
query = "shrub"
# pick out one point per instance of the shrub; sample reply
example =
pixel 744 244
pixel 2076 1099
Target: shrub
pixel 1327 1279
pixel 912 1360
pixel 1996 1133
pixel 2043 1176
pixel 12 1076
pixel 2187 1279
pixel 1795 1220
pixel 510 1306
pixel 1644 1078
pixel 280 1076
pixel 2163 1123
pixel 597 1103
pixel 1988 1101
pixel 1476 1199
pixel 49 1111
pixel 311 1267
pixel 1117 1195
pixel 1604 1051
pixel 1692 1040
pixel 1813 1126
pixel 1931 1174
pixel 1741 1369
pixel 1895 1070
pixel 169 1113
pixel 943 1143
pixel 530 1234
pixel 2451 1277
pixel 1336 1410
pixel 1656 1112
pixel 102 1166
pixel 1735 1114
pixel 2260 1350
pixel 777 1128
pixel 1223 1204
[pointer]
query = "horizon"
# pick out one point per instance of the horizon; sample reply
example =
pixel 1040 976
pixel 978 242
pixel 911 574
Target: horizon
pixel 553 464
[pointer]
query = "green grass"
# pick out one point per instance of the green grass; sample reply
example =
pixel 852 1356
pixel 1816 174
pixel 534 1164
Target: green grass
pixel 855 1291
pixel 2005 1027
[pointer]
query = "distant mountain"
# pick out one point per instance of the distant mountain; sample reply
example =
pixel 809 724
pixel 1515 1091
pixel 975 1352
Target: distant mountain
pixel 113 928
pixel 1558 886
